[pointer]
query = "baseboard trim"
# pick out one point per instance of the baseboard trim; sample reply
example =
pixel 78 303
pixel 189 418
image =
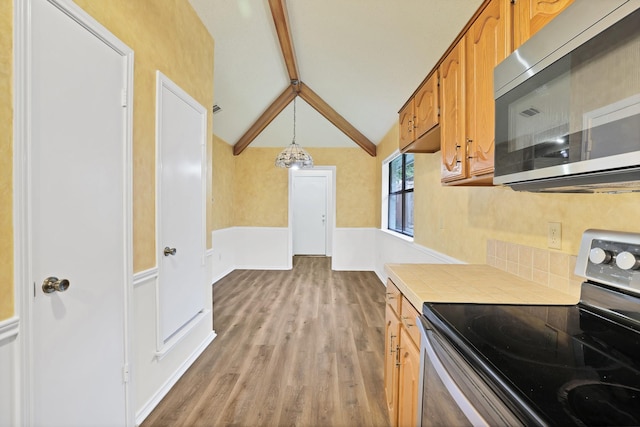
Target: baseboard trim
pixel 144 412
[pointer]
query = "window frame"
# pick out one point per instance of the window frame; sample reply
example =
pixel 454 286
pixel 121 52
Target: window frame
pixel 402 193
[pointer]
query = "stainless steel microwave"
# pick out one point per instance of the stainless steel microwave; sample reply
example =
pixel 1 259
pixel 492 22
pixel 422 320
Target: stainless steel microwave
pixel 568 103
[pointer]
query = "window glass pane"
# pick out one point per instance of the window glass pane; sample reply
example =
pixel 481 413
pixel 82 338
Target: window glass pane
pixel 408 171
pixel 395 175
pixel 395 212
pixel 408 209
pixel 400 209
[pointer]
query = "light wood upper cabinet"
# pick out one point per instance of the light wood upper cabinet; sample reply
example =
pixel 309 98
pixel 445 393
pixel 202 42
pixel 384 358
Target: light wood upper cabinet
pixel 452 114
pixel 407 120
pixel 487 43
pixel 426 105
pixel 465 126
pixel 419 117
pixel 529 16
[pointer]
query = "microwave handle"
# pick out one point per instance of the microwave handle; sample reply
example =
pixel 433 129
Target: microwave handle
pixel 458 395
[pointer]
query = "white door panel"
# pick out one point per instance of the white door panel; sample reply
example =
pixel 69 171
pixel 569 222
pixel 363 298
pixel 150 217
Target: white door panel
pixel 78 222
pixel 181 144
pixel 310 215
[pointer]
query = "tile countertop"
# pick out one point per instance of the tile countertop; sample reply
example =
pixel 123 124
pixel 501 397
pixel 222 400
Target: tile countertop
pixel 471 283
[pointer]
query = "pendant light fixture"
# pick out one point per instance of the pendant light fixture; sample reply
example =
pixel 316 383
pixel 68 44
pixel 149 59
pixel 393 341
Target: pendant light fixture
pixel 294 156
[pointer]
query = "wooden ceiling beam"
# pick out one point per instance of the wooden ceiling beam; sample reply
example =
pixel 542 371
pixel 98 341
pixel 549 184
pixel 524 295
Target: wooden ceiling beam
pixel 281 21
pixel 267 117
pixel 338 121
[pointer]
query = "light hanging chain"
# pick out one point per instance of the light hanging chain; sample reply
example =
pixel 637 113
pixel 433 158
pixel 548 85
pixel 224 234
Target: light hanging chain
pixel 294 119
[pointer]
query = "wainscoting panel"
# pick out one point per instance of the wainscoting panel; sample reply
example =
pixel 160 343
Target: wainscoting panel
pixel 354 249
pixel 156 369
pixel 223 253
pixel 250 248
pixel 394 249
pixel 262 248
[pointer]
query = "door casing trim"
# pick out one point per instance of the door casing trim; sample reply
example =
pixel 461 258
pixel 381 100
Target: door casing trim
pixel 330 173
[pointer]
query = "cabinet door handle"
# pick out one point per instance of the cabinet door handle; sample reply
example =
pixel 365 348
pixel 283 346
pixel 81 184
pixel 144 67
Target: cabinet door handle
pixel 469 141
pixel 391 350
pixel 390 295
pixel 397 356
pixel 404 319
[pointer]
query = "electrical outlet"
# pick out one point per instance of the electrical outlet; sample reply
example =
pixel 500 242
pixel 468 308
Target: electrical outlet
pixel 554 235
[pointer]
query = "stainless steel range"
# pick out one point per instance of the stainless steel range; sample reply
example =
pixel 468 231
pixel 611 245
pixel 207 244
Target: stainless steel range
pixel 578 365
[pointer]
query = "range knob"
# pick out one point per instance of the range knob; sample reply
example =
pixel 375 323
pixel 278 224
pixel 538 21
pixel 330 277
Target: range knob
pixel 600 256
pixel 627 261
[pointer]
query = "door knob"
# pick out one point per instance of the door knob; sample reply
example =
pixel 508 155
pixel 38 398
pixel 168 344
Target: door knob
pixel 53 284
pixel 169 251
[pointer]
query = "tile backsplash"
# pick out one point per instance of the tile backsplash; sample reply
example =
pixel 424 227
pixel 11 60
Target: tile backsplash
pixel 546 267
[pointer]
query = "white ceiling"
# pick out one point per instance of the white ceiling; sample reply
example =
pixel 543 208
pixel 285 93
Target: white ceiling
pixel 363 57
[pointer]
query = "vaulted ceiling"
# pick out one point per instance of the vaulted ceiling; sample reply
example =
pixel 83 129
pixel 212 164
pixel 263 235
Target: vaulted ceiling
pixel 360 59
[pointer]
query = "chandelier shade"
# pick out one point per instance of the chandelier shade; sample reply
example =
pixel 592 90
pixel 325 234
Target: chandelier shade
pixel 294 156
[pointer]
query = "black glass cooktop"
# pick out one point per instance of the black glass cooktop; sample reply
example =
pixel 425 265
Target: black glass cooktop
pixel 568 365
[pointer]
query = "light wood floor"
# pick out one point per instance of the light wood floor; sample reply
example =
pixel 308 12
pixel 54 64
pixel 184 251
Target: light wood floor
pixel 294 348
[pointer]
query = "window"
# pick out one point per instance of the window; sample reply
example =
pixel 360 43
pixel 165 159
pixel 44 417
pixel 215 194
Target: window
pixel 400 213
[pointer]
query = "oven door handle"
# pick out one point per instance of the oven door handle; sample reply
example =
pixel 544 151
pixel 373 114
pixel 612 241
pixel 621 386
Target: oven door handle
pixel 456 393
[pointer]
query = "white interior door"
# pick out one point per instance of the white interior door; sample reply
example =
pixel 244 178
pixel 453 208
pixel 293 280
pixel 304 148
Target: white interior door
pixel 79 206
pixel 181 130
pixel 310 214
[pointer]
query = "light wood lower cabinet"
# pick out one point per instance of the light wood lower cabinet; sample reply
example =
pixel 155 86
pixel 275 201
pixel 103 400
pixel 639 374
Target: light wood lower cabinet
pixel 409 376
pixel 391 371
pixel 402 359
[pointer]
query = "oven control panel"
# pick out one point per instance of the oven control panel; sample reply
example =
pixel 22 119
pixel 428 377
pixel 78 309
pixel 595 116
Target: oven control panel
pixel 610 257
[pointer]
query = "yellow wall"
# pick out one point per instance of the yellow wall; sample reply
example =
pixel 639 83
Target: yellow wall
pixel 168 36
pixel 385 148
pixel 261 189
pixel 6 159
pixel 458 220
pixel 221 212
